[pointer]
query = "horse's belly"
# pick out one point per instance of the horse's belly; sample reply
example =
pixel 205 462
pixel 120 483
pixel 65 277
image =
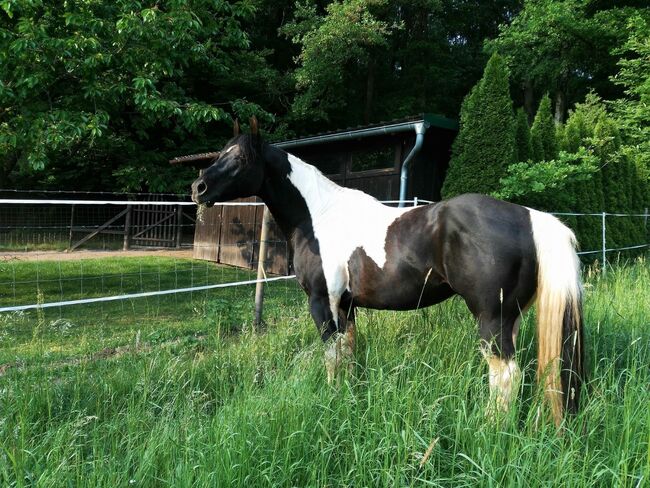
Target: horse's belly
pixel 399 285
pixel 400 298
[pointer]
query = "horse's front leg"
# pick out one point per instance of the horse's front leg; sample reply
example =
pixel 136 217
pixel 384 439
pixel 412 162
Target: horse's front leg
pixel 336 330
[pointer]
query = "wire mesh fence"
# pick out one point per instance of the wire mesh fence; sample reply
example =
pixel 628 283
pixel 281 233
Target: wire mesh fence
pixel 38 281
pixel 28 225
pixel 98 306
pixel 97 292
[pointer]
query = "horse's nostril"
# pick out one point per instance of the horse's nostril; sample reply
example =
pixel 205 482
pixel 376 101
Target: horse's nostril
pixel 201 188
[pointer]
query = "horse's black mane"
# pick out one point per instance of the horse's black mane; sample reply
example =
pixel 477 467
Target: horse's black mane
pixel 249 144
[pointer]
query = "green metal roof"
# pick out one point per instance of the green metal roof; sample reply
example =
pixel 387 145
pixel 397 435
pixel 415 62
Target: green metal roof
pixel 383 128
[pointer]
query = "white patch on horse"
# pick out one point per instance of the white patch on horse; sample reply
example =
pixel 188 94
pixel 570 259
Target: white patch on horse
pixel 504 379
pixel 343 220
pixel 230 148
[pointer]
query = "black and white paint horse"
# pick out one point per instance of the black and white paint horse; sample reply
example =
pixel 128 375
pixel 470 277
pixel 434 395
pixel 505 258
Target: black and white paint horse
pixel 352 251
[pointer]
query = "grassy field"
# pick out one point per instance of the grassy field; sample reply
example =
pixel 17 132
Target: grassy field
pixel 181 390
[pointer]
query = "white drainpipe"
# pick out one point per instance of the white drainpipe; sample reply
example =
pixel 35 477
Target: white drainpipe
pixel 420 129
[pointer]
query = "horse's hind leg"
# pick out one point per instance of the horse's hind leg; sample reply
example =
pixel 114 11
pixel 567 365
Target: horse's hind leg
pixel 498 348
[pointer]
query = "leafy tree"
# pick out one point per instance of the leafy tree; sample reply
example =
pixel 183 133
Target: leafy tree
pixel 99 91
pixel 561 46
pixel 397 58
pixel 633 111
pixel 524 180
pixel 334 46
pixel 486 143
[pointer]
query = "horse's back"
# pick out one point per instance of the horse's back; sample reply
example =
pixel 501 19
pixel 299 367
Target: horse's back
pixel 483 222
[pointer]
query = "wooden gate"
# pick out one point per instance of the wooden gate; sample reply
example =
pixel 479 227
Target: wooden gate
pixel 139 225
pixel 156 225
pixel 230 235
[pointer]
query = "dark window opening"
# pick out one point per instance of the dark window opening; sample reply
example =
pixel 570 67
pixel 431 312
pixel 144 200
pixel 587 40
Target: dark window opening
pixel 328 164
pixel 373 159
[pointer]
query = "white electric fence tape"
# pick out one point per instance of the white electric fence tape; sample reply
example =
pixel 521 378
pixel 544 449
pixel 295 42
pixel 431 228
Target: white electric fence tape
pixel 19 308
pixel 223 285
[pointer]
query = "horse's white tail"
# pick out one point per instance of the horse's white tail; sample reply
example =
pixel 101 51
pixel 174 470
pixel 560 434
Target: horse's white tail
pixel 559 313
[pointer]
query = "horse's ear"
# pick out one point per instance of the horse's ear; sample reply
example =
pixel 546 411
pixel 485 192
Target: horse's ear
pixel 254 127
pixel 235 128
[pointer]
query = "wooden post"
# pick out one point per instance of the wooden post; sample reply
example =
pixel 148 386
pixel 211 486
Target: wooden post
pixel 261 257
pixel 127 228
pixel 179 225
pixel 604 239
pixel 71 225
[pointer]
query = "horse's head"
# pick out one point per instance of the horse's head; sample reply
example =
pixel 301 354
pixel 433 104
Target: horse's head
pixel 237 172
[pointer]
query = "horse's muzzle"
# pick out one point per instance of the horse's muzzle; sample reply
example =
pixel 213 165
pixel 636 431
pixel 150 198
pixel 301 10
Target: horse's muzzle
pixel 199 189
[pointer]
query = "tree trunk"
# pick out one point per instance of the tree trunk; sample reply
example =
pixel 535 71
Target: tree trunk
pixel 560 97
pixel 6 167
pixel 370 91
pixel 560 106
pixel 529 100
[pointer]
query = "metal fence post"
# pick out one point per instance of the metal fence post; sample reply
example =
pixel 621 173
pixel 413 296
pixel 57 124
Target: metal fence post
pixel 415 201
pixel 261 257
pixel 604 244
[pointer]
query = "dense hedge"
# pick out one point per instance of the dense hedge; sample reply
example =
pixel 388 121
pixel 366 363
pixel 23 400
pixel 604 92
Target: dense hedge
pixel 616 186
pixel 492 137
pixel 542 133
pixel 523 144
pixel 485 145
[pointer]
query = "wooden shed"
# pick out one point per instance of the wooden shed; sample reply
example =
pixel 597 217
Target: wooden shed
pixel 372 158
pixel 407 158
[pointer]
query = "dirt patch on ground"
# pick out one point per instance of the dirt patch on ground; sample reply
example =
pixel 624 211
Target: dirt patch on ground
pixel 71 256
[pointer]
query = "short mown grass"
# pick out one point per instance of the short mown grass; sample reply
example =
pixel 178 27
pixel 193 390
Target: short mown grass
pixel 181 390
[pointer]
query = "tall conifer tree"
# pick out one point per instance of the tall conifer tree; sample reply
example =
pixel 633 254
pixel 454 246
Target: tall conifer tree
pixel 543 132
pixel 524 148
pixel 486 143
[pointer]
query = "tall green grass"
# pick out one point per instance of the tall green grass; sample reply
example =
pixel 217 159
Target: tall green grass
pixel 212 404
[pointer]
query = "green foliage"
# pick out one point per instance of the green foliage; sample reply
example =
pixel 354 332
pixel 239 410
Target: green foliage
pixel 592 174
pixel 486 142
pixel 361 61
pixel 349 34
pixel 618 175
pixel 523 144
pixel 562 47
pixel 98 95
pixel 633 111
pixel 560 136
pixel 529 178
pixel 575 132
pixel 542 133
pixel 92 88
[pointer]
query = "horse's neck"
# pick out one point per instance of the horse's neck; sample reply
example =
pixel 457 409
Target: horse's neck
pixel 295 191
pixel 319 192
